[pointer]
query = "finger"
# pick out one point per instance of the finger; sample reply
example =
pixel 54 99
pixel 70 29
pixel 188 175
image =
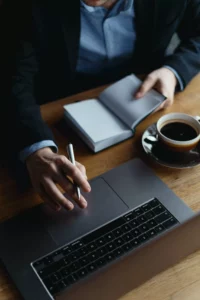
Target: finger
pixel 48 200
pixel 70 170
pixel 169 99
pixel 160 107
pixel 164 105
pixel 148 84
pixel 81 168
pixel 54 193
pixel 70 189
pixel 167 103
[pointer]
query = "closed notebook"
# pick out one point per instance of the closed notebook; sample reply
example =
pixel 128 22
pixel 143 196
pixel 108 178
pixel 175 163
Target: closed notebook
pixel 114 115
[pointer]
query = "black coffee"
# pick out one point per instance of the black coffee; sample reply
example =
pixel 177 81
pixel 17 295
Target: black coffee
pixel 179 131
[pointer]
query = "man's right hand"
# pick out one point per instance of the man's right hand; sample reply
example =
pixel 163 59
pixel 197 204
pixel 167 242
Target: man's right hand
pixel 47 170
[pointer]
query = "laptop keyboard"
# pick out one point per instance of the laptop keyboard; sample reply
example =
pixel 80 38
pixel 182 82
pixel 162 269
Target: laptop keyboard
pixel 70 263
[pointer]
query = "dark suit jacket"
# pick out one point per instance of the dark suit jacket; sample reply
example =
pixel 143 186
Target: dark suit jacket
pixel 12 20
pixel 46 65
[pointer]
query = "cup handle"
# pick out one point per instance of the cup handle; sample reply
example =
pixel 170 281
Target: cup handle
pixel 197 118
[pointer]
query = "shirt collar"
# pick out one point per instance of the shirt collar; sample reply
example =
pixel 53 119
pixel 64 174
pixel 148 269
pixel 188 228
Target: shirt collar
pixel 127 6
pixel 90 8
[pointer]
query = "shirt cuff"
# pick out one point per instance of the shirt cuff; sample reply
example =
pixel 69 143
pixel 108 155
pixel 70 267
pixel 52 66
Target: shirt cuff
pixel 33 148
pixel 178 77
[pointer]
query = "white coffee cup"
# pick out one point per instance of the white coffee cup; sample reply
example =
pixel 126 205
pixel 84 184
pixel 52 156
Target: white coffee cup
pixel 176 145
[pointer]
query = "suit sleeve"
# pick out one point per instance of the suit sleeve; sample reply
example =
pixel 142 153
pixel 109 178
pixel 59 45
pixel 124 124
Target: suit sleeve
pixel 186 59
pixel 28 126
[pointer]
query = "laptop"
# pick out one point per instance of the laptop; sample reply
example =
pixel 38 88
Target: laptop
pixel 133 228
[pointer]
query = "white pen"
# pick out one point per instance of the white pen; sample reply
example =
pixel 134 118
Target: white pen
pixel 70 152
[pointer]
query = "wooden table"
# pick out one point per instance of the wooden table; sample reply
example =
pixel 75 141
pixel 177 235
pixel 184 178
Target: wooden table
pixel 181 282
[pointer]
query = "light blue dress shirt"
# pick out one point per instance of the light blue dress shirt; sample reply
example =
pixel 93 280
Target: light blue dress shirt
pixel 107 43
pixel 107 39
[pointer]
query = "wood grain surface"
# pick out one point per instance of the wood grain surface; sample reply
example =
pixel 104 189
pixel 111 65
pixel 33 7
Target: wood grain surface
pixel 181 282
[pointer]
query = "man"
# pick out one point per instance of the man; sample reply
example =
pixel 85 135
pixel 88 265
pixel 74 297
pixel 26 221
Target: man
pixel 80 44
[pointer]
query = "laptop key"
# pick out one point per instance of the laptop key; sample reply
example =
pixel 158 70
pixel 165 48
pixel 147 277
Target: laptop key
pixel 151 233
pixel 118 232
pixel 159 228
pixel 143 238
pixel 134 223
pixel 77 245
pixel 126 228
pixel 159 209
pixel 97 253
pixel 109 237
pixel 92 246
pixel 146 207
pixel 92 267
pixel 111 246
pixel 72 278
pixel 163 217
pixel 84 261
pixel 135 232
pixel 127 247
pixel 48 260
pixel 135 242
pixel 55 277
pixel 100 242
pixel 152 223
pixel 119 241
pixel 65 272
pixel 62 263
pixel 169 223
pixel 45 272
pixel 75 266
pixel 127 237
pixel 144 227
pixel 110 256
pixel 38 263
pixel 118 252
pixel 92 256
pixel 102 251
pixel 101 262
pixel 66 261
pixel 66 250
pixel 58 252
pixel 73 257
pixel 103 230
pixel 138 211
pixel 62 285
pixel 142 219
pixel 129 216
pixel 82 272
pixel 149 215
pixel 83 251
pixel 154 203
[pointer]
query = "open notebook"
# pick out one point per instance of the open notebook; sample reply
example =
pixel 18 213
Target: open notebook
pixel 114 115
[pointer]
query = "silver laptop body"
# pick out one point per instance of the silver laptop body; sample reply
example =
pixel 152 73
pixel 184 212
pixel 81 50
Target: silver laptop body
pixel 36 234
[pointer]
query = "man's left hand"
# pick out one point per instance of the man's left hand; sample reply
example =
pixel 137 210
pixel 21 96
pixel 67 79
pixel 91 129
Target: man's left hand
pixel 164 81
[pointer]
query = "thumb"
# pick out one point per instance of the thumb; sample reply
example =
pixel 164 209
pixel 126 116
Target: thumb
pixel 148 84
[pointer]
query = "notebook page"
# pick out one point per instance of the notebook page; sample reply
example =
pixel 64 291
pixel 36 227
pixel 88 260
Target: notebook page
pixel 119 98
pixel 95 120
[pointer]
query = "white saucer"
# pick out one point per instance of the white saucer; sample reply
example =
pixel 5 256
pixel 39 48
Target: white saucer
pixel 155 149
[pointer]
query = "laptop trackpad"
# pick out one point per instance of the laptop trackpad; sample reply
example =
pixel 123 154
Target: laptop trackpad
pixel 103 205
